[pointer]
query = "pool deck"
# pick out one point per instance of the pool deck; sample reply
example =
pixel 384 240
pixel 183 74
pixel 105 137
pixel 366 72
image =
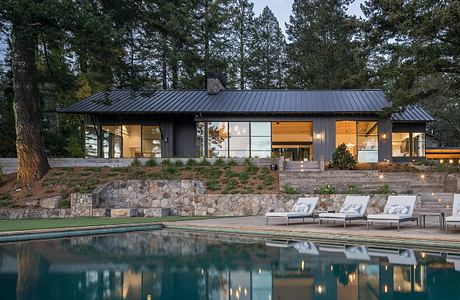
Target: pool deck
pixel 409 235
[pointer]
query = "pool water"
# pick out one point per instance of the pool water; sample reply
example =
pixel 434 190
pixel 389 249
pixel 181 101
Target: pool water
pixel 171 264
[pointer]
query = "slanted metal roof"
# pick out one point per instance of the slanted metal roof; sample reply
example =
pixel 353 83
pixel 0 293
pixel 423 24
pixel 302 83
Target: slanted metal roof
pixel 239 102
pixel 412 113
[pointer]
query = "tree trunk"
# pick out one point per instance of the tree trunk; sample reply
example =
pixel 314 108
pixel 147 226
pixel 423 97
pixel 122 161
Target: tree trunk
pixel 206 45
pixel 164 66
pixel 30 145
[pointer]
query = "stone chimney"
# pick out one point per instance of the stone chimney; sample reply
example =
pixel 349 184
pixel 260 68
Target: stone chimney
pixel 215 84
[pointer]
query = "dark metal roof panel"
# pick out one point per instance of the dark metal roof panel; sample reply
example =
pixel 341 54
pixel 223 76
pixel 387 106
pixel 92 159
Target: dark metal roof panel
pixel 246 101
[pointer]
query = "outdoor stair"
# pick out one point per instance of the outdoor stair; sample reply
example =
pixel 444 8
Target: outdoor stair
pixel 302 166
pixel 436 202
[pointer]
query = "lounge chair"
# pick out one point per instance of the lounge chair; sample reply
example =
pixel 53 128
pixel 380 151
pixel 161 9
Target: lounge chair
pixel 303 208
pixel 455 218
pixel 394 256
pixel 353 208
pixel 306 248
pixel 455 259
pixel 350 251
pixel 398 209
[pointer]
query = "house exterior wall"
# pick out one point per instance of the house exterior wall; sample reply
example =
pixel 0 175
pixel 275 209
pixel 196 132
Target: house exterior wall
pixel 179 132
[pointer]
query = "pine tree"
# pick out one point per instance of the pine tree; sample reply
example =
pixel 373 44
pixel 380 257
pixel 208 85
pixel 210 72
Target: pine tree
pixel 267 56
pixel 244 26
pixel 322 51
pixel 417 47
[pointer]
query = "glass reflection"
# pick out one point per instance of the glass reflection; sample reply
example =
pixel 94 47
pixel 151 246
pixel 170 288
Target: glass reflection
pixel 172 265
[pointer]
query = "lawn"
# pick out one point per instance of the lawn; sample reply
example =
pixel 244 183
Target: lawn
pixel 31 224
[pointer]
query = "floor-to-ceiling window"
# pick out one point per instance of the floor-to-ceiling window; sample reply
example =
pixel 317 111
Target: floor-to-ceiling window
pixel 217 139
pixel 91 141
pixel 151 141
pixel 131 140
pixel 125 141
pixel 293 140
pixel 418 144
pixel 238 139
pixel 400 142
pixel 408 145
pixel 361 139
pixel 346 134
pixel 111 141
pixel 261 141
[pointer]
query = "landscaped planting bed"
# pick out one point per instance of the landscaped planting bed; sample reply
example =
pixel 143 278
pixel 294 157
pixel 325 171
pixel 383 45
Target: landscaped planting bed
pixel 220 178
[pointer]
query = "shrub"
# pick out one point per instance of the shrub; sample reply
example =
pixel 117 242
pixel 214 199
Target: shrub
pixel 204 162
pixel 384 189
pixel 342 158
pixel 151 162
pixel 135 163
pixel 213 185
pixel 327 189
pixel 191 162
pixel 64 203
pixel 353 189
pixel 219 162
pixel 166 162
pixel 179 163
pixel 288 189
pixel 231 163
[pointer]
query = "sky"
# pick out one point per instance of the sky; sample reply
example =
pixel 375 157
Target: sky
pixel 282 9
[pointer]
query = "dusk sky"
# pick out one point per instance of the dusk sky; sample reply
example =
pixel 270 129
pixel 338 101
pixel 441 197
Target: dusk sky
pixel 282 9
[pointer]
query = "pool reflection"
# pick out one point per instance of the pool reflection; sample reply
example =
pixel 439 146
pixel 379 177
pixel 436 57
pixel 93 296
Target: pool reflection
pixel 173 265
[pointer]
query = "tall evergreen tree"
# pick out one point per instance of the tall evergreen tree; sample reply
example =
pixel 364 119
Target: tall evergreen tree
pixel 267 56
pixel 417 47
pixel 244 27
pixel 323 52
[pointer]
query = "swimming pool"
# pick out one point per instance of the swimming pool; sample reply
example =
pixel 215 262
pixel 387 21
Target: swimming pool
pixel 170 264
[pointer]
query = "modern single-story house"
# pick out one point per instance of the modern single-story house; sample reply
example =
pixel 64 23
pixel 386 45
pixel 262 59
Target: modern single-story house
pixel 296 124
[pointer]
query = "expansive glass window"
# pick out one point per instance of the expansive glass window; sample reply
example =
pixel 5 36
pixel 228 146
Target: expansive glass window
pixel 346 134
pixel 293 140
pixel 360 137
pixel 111 141
pixel 151 141
pixel 200 139
pixel 261 142
pixel 131 140
pixel 217 139
pixel 418 144
pixel 368 142
pixel 91 143
pixel 400 144
pixel 239 139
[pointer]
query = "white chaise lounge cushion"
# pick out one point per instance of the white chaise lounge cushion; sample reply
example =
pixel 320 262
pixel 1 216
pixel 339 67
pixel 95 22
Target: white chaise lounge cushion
pixel 303 207
pixel 397 208
pixel 455 210
pixel 357 207
pixel 388 217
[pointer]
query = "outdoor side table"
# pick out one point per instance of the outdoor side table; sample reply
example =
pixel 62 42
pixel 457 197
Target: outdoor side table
pixel 423 216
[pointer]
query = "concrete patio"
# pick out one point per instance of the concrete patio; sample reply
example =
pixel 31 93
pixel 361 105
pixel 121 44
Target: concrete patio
pixel 409 235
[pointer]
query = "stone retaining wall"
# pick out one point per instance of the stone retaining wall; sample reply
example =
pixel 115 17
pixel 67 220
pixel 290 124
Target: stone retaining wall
pixel 34 213
pixel 370 181
pixel 189 198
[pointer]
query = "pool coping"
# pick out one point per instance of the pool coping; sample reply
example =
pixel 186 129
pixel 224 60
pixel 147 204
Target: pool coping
pixel 64 232
pixel 323 236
